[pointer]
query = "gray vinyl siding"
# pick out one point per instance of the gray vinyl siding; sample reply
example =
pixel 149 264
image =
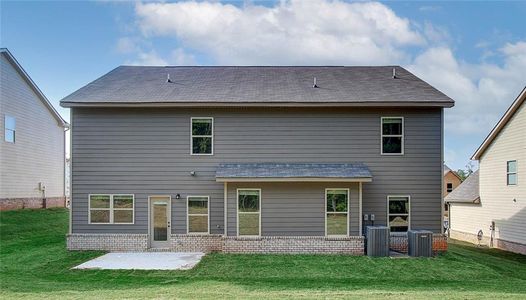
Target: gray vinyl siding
pixel 293 209
pixel 147 152
pixel 38 152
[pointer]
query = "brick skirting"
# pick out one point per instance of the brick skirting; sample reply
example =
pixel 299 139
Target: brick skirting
pixel 196 243
pixel 208 243
pixel 497 243
pixel 398 242
pixel 107 242
pixel 295 245
pixel 31 202
pixel 353 245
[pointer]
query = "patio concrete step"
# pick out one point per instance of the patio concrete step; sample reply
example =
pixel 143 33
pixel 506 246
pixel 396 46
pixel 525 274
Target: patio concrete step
pixel 159 250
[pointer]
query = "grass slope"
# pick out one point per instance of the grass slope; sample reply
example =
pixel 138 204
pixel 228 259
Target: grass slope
pixel 35 264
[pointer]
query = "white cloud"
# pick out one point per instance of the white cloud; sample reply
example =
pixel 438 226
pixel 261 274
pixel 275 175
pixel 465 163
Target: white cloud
pixel 126 45
pixel 482 91
pixel 150 58
pixel 180 57
pixel 291 32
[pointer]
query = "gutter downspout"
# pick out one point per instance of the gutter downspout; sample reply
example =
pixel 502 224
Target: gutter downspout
pixel 70 183
pixel 225 196
pixel 442 172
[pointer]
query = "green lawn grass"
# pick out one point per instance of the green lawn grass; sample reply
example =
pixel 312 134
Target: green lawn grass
pixel 34 263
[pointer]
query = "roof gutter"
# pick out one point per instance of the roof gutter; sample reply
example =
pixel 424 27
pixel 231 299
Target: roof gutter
pixel 192 104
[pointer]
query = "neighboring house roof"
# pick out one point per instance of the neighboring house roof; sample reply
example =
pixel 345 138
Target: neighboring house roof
pixel 447 170
pixel 257 86
pixel 293 172
pixel 500 125
pixel 467 191
pixel 33 86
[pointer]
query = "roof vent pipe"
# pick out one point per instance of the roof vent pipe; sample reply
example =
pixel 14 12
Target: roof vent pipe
pixel 315 85
pixel 168 78
pixel 394 73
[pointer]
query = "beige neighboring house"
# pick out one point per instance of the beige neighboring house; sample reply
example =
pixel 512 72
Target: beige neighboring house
pixel 490 205
pixel 32 158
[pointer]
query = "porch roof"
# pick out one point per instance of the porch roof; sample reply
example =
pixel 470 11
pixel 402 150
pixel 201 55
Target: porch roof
pixel 293 172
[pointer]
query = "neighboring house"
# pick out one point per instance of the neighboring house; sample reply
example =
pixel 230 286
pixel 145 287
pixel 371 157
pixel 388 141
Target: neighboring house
pixel 491 204
pixel 451 181
pixel 32 145
pixel 254 159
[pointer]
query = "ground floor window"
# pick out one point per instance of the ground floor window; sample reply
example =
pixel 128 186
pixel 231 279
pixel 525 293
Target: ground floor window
pixel 198 211
pixel 111 209
pixel 337 212
pixel 398 213
pixel 248 212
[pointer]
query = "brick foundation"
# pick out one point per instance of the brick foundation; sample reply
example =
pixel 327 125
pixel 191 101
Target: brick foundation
pixel 107 242
pixel 497 243
pixel 196 243
pixel 208 243
pixel 294 245
pixel 398 242
pixel 31 202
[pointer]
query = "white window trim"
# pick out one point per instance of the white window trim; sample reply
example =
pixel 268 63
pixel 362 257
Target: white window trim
pixel 348 211
pixel 237 211
pixel 516 173
pixel 10 129
pixel 447 188
pixel 408 214
pixel 391 135
pixel 192 137
pixel 188 215
pixel 111 209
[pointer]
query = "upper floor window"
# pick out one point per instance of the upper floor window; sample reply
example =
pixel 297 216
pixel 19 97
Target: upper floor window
pixel 9 129
pixel 511 172
pixel 449 187
pixel 392 135
pixel 202 140
pixel 398 213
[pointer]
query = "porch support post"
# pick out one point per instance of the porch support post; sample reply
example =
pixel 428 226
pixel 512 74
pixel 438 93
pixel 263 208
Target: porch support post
pixel 225 196
pixel 360 207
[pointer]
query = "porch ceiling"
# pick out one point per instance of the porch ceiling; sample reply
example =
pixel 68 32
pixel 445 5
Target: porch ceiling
pixel 293 172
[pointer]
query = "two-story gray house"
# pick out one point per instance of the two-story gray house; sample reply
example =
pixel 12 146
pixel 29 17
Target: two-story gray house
pixel 254 159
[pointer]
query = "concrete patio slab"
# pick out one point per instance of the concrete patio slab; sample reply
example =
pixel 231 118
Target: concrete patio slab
pixel 144 261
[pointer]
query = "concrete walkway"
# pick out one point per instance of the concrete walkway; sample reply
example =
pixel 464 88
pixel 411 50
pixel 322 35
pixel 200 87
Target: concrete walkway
pixel 144 261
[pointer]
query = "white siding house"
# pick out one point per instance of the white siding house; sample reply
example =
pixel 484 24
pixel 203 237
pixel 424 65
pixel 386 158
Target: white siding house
pixel 500 212
pixel 32 143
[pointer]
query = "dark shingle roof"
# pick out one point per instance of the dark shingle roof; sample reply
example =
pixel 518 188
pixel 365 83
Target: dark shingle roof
pixel 293 170
pixel 139 85
pixel 467 191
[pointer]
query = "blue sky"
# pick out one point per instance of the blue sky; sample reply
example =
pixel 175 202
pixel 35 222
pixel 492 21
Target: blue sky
pixel 475 52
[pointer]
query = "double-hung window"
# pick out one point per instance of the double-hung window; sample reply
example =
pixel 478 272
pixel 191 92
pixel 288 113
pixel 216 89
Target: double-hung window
pixel 449 187
pixel 511 172
pixel 9 129
pixel 249 212
pixel 198 210
pixel 336 212
pixel 202 136
pixel 392 135
pixel 398 213
pixel 111 209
